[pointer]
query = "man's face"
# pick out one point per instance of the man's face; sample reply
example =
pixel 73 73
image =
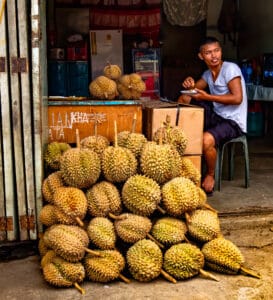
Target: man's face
pixel 211 54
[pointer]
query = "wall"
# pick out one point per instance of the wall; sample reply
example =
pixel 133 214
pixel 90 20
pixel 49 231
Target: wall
pixel 256 27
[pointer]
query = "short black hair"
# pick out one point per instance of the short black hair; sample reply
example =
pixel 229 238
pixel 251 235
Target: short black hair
pixel 208 40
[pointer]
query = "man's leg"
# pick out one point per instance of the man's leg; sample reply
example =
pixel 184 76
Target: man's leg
pixel 210 155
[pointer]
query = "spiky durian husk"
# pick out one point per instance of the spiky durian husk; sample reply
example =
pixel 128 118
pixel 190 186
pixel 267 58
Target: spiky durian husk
pixel 101 233
pixel 53 154
pixel 133 141
pixel 96 143
pixel 223 256
pixel 189 170
pixel 112 71
pixel 48 257
pixel 179 195
pixel 62 273
pixel 104 268
pixel 47 215
pixel 141 195
pixel 144 260
pixel 68 241
pixel 103 87
pixel 42 247
pixel 118 164
pixel 203 225
pixel 103 198
pixel 160 162
pixel 183 261
pixel 50 184
pixel 169 230
pixel 174 136
pixel 131 86
pixel 71 201
pixel 133 227
pixel 80 167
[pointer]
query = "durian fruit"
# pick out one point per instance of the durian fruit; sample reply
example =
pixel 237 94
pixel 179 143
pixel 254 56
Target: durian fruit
pixel 183 261
pixel 72 202
pixel 103 87
pixel 131 140
pixel 131 86
pixel 48 257
pixel 68 241
pixel 145 259
pixel 96 143
pixel 47 215
pixel 106 267
pixel 169 231
pixel 104 200
pixel 203 225
pixel 101 233
pixel 133 228
pixel 224 256
pixel 173 135
pixel 179 195
pixel 189 170
pixel 61 273
pixel 160 162
pixel 50 184
pixel 112 71
pixel 53 153
pixel 118 163
pixel 80 167
pixel 42 247
pixel 141 195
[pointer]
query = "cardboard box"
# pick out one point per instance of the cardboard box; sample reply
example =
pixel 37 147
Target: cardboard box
pixel 64 117
pixel 189 117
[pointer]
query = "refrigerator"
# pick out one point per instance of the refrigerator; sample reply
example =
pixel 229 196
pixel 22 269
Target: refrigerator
pixel 105 46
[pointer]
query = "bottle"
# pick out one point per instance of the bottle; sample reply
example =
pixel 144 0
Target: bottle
pixel 249 73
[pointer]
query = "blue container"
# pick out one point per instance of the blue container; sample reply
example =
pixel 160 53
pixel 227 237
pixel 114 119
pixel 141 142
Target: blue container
pixel 78 79
pixel 57 78
pixel 255 124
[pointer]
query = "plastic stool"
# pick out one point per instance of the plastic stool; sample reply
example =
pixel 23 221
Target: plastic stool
pixel 220 156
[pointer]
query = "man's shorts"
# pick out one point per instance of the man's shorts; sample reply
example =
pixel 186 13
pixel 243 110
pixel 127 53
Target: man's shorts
pixel 221 129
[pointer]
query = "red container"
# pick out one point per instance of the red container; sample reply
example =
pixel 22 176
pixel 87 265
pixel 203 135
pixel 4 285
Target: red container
pixel 77 51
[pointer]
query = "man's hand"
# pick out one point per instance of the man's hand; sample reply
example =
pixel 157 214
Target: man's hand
pixel 188 83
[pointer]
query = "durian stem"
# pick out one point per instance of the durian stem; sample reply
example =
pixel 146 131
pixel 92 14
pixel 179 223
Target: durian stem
pixel 96 128
pixel 188 217
pixel 168 276
pixel 125 279
pixel 77 138
pixel 248 272
pixel 207 206
pixel 116 134
pixel 78 287
pixel 134 124
pixel 120 217
pixel 161 209
pixel 93 252
pixel 154 240
pixel 207 275
pixel 79 221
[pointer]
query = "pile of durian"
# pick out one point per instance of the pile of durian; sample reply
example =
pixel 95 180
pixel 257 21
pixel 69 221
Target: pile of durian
pixel 112 84
pixel 129 210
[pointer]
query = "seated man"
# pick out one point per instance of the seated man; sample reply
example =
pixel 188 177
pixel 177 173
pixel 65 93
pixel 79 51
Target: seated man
pixel 225 105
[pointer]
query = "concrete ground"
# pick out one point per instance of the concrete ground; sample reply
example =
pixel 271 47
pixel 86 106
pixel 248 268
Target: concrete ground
pixel 246 217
